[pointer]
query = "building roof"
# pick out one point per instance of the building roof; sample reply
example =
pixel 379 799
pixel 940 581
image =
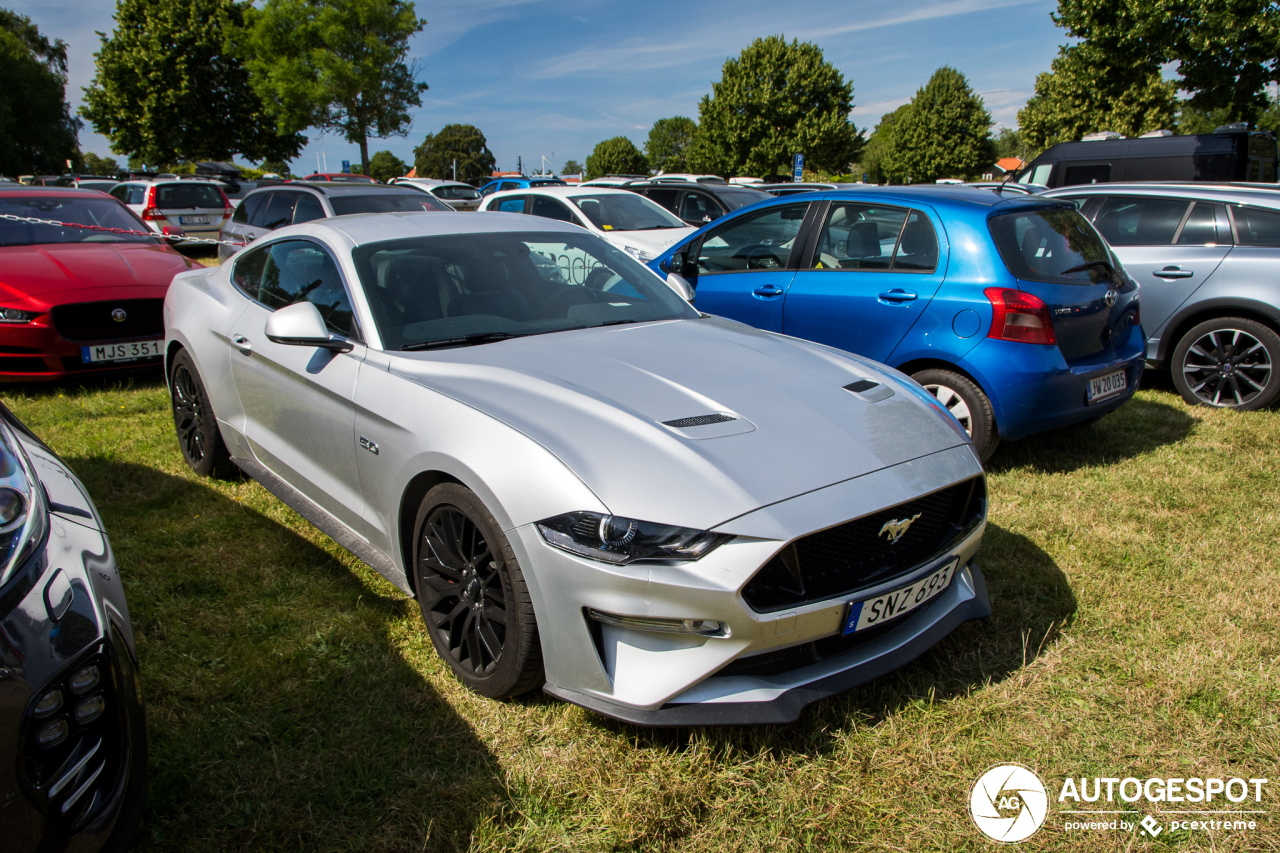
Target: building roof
pixel 1010 163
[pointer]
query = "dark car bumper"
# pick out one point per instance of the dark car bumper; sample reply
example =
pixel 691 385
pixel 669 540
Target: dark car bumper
pixel 52 345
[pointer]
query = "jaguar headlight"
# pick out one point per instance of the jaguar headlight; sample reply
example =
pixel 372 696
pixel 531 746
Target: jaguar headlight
pixel 13 316
pixel 24 517
pixel 618 540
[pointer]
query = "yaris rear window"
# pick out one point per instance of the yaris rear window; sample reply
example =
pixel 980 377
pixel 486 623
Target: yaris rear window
pixel 1055 245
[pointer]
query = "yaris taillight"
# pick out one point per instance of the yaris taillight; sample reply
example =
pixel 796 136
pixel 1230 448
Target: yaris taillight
pixel 1020 317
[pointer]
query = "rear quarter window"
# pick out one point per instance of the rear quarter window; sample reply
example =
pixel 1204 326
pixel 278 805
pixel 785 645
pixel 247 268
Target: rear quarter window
pixel 1256 227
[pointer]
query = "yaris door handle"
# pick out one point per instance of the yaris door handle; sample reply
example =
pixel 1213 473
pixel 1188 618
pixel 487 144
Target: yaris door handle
pixel 242 343
pixel 898 295
pixel 1174 272
pixel 768 290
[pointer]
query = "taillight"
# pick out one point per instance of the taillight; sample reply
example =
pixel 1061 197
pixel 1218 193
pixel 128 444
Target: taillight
pixel 226 202
pixel 1018 316
pixel 151 213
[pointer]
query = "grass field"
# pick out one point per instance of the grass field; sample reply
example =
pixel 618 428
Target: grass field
pixel 295 703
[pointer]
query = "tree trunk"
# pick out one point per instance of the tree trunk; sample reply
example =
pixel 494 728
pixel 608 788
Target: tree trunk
pixel 364 154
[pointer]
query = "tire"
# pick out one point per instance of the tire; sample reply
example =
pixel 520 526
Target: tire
pixel 473 595
pixel 195 423
pixel 965 400
pixel 1228 362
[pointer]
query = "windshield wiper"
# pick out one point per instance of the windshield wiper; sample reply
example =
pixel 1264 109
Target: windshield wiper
pixel 1106 265
pixel 464 341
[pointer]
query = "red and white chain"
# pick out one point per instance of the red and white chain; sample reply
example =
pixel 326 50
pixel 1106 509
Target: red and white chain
pixel 31 220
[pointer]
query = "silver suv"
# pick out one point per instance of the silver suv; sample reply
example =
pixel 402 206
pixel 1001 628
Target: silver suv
pixel 1206 257
pixel 268 208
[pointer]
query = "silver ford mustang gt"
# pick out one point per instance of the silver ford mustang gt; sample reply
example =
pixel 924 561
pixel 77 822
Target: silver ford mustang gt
pixel 588 486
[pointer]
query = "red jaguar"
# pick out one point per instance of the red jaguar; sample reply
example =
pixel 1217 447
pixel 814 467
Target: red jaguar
pixel 77 300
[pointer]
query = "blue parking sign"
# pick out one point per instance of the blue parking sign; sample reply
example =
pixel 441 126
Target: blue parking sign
pixel 799 168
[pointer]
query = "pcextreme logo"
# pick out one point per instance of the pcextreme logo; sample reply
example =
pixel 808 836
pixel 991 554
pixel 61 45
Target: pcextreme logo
pixel 1008 803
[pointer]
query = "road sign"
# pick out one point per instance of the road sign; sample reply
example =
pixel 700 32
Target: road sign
pixel 799 168
pixel 346 167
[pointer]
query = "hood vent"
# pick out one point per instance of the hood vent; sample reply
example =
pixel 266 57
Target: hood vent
pixel 860 386
pixel 699 420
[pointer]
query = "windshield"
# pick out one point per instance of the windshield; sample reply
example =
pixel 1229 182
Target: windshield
pixel 385 202
pixel 102 212
pixel 460 289
pixel 625 211
pixel 1058 246
pixel 456 193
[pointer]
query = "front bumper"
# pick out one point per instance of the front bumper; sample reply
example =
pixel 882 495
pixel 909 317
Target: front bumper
pixel 678 679
pixel 37 351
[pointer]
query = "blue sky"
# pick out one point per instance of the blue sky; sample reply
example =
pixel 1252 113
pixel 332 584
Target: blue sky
pixel 551 78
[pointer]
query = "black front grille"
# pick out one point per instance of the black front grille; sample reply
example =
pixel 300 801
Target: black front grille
pixel 93 321
pixel 868 550
pixel 699 420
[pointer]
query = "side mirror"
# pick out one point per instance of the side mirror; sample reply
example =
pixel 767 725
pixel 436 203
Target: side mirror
pixel 678 262
pixel 300 324
pixel 681 285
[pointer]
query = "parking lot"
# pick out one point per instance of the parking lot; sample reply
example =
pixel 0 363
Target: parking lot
pixel 295 702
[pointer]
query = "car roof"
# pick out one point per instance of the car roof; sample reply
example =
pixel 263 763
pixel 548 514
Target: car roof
pixel 430 182
pixel 563 192
pixel 364 228
pixel 936 194
pixel 23 190
pixel 332 188
pixel 188 179
pixel 1187 189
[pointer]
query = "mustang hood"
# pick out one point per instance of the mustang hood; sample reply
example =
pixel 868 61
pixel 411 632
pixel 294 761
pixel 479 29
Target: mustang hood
pixel 691 422
pixel 45 270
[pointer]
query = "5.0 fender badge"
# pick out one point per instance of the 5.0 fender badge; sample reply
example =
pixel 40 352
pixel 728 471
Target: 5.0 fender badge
pixel 894 530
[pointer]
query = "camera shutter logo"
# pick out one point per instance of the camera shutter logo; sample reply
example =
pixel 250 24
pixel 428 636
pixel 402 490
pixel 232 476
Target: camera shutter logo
pixel 1008 803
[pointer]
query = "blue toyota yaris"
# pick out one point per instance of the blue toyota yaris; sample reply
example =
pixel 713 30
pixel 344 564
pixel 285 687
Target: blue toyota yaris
pixel 1011 310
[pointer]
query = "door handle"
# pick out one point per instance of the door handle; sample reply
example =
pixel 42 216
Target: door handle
pixel 1174 272
pixel 768 290
pixel 898 295
pixel 242 343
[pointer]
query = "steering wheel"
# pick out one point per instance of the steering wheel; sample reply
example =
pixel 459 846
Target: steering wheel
pixel 759 257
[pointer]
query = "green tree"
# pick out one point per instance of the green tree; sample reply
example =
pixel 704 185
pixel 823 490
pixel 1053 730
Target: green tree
pixel 668 143
pixel 37 131
pixel 1225 52
pixel 774 101
pixel 571 167
pixel 92 164
pixel 879 147
pixel 384 166
pixel 280 167
pixel 168 86
pixel 945 134
pixel 336 65
pixel 616 156
pixel 435 157
pixel 1089 90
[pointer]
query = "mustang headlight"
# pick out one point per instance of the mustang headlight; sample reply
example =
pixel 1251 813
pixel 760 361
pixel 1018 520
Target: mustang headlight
pixel 24 517
pixel 618 540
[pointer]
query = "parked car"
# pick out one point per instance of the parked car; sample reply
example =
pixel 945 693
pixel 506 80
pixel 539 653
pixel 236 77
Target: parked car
pixel 456 194
pixel 78 301
pixel 519 182
pixel 197 207
pixel 1206 256
pixel 613 180
pixel 234 188
pixel 631 222
pixel 268 208
pixel 73 739
pixel 1010 310
pixel 792 187
pixel 92 182
pixel 665 517
pixel 340 178
pixel 697 204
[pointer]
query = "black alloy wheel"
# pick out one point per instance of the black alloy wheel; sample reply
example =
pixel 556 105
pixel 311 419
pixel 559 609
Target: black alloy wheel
pixel 1228 362
pixel 195 423
pixel 473 596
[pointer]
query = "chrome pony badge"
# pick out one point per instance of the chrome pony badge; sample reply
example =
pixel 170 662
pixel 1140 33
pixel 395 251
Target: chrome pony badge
pixel 119 315
pixel 894 530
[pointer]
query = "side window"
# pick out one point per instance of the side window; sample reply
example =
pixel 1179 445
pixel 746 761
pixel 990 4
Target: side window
pixel 246 273
pixel 508 185
pixel 918 246
pixel 1140 221
pixel 1201 226
pixel 1096 174
pixel 246 209
pixel 299 270
pixel 665 197
pixel 307 209
pixel 1256 227
pixel 550 208
pixel 137 194
pixel 121 192
pixel 859 236
pixel 695 207
pixel 277 212
pixel 761 240
pixel 511 205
